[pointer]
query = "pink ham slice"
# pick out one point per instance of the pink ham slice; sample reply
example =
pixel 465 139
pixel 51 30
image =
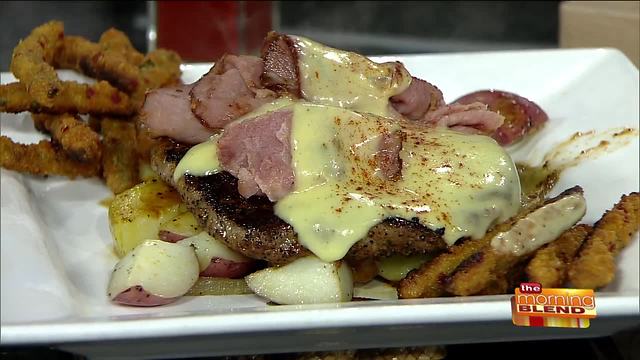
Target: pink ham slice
pixel 258 152
pixel 167 112
pixel 281 74
pixel 229 90
pixel 388 156
pixel 472 118
pixel 418 99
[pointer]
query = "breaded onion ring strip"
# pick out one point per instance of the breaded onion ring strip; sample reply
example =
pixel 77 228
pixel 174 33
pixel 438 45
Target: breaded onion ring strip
pixel 119 161
pixel 75 137
pixel 31 60
pixel 116 41
pixel 490 266
pixel 549 265
pixel 97 99
pixel 595 266
pixel 89 58
pixel 43 159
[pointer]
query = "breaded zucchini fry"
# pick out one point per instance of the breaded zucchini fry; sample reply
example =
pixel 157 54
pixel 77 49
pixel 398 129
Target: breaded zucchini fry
pixel 426 281
pixel 117 41
pixel 75 137
pixel 119 162
pixel 160 68
pixel 31 60
pixel 97 99
pixel 595 266
pixel 43 158
pixel 491 265
pixel 89 58
pixel 549 265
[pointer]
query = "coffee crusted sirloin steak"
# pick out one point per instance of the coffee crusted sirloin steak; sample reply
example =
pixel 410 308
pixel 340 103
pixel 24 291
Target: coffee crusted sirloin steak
pixel 250 226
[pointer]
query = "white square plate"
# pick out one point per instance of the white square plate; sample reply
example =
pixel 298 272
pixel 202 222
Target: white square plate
pixel 57 256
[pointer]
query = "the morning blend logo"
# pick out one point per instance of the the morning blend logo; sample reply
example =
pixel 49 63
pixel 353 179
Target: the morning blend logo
pixel 534 306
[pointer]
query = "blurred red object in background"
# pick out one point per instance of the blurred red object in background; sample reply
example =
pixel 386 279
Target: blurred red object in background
pixel 204 30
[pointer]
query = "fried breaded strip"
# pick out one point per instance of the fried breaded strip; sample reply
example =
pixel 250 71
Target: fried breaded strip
pixel 119 162
pixel 75 137
pixel 89 58
pixel 490 266
pixel 31 60
pixel 117 41
pixel 98 99
pixel 429 279
pixel 43 158
pixel 549 265
pixel 595 267
pixel 426 281
pixel 160 68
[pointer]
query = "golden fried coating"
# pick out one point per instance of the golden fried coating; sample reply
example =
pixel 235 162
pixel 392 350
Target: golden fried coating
pixel 119 162
pixel 160 68
pixel 117 41
pixel 31 60
pixel 595 266
pixel 98 99
pixel 426 281
pixel 89 58
pixel 43 159
pixel 489 267
pixel 549 264
pixel 75 137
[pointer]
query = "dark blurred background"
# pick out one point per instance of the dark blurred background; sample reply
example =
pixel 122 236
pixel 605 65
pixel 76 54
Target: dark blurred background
pixel 370 27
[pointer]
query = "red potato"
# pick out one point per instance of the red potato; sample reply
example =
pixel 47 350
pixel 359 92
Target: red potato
pixel 223 268
pixel 216 259
pixel 138 296
pixel 168 236
pixel 154 273
pixel 182 226
pixel 522 116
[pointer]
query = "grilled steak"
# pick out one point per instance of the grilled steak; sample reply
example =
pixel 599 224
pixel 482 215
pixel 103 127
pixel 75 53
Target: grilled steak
pixel 250 226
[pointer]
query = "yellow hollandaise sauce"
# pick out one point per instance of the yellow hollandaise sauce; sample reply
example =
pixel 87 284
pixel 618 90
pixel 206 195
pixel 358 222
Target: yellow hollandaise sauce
pixel 200 160
pixel 457 182
pixel 348 80
pixel 453 181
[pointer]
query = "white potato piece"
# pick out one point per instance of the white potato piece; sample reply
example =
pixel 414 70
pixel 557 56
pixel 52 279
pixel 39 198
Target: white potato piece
pixel 216 259
pixel 136 214
pixel 180 227
pixel 375 290
pixel 154 273
pixel 308 280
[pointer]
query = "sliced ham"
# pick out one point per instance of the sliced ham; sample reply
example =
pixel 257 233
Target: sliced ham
pixel 167 112
pixel 258 152
pixel 229 90
pixel 280 64
pixel 281 74
pixel 473 118
pixel 388 156
pixel 418 99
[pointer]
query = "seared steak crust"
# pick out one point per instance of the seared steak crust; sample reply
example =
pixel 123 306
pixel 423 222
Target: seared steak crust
pixel 250 226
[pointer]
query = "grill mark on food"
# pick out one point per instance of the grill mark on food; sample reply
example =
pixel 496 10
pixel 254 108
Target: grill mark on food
pixel 250 226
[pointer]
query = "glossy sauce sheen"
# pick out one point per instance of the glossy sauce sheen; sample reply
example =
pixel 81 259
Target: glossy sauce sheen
pixel 200 160
pixel 462 183
pixel 456 183
pixel 344 79
pixel 541 226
